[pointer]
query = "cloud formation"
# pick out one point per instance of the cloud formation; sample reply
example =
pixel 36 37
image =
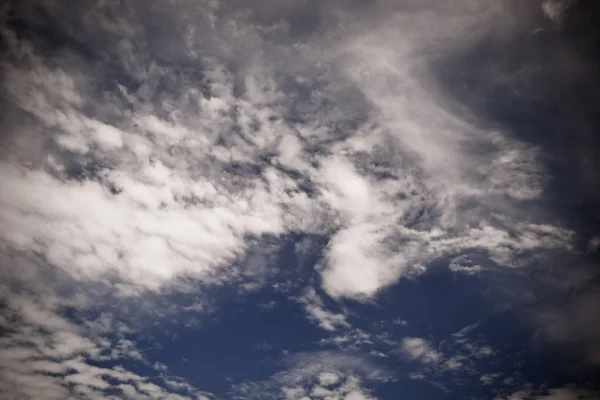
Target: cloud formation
pixel 156 148
pixel 46 356
pixel 145 209
pixel 322 375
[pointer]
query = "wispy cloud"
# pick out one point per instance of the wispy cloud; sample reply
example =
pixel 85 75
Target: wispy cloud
pixel 316 310
pixel 46 356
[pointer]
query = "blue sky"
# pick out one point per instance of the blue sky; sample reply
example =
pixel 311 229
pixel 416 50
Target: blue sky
pixel 299 200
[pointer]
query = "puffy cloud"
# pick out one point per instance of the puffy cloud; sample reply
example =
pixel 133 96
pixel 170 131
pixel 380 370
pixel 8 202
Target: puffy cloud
pixel 328 378
pixel 358 262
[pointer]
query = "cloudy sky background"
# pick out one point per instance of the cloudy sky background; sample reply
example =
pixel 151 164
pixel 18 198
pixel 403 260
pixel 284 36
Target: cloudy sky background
pixel 350 200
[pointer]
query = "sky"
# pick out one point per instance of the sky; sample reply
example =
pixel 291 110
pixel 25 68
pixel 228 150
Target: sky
pixel 299 199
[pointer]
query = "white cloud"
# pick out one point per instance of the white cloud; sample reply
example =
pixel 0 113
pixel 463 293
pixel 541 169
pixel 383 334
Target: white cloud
pixel 357 262
pixel 453 364
pixel 348 339
pixel 326 375
pixel 293 393
pixel 464 266
pixel 316 310
pixel 459 355
pixel 321 392
pixel 384 60
pixel 328 378
pixel 184 210
pixel 290 152
pixel 148 233
pixel 420 349
pixel 348 192
pixel 180 177
pixel 45 356
pixel 489 379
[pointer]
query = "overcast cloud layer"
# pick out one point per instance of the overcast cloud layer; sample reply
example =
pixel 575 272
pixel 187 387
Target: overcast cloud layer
pixel 299 200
